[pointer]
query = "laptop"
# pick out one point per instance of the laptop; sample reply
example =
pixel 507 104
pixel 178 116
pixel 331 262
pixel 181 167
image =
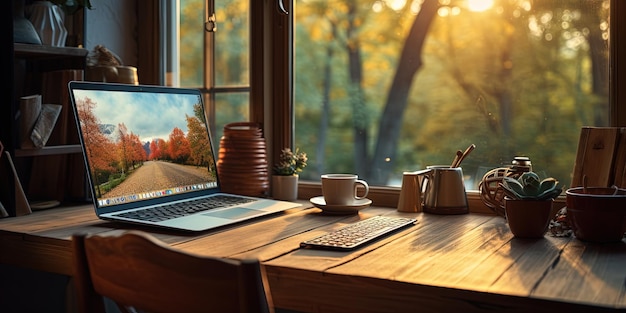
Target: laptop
pixel 150 159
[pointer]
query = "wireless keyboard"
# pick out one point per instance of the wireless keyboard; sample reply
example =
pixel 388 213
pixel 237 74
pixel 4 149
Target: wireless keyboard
pixel 356 234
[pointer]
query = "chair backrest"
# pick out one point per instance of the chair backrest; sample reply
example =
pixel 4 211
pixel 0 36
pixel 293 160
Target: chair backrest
pixel 139 272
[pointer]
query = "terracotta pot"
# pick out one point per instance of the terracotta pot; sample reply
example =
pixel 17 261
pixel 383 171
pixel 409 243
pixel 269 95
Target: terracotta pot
pixel 285 187
pixel 597 214
pixel 528 218
pixel 242 164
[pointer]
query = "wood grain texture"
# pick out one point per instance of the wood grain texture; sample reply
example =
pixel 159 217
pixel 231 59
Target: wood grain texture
pixel 620 160
pixel 444 263
pixel 595 156
pixel 342 293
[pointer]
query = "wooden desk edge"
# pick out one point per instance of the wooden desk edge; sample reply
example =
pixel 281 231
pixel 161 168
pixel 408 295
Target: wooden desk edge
pixel 343 293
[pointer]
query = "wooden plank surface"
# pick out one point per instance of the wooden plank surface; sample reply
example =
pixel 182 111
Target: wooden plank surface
pixel 481 255
pixel 254 235
pixel 418 255
pixel 444 263
pixel 596 270
pixel 49 219
pixel 313 291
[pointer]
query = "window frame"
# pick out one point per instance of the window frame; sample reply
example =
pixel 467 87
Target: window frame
pixel 617 70
pixel 272 95
pixel 271 72
pixel 271 81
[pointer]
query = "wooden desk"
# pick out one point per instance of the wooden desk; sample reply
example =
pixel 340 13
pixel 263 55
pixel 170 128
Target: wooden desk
pixel 455 263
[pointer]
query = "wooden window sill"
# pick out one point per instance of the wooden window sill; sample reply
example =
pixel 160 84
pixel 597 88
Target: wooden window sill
pixel 388 197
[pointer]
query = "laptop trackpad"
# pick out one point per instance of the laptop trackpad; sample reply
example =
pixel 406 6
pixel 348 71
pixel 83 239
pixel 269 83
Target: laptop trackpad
pixel 233 213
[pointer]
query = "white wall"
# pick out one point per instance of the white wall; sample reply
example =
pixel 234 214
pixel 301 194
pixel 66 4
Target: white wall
pixel 113 24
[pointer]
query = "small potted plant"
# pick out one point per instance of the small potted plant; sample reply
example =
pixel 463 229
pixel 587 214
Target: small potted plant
pixel 285 174
pixel 528 203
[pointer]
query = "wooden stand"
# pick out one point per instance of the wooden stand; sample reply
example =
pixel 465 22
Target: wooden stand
pixel 21 203
pixel 601 157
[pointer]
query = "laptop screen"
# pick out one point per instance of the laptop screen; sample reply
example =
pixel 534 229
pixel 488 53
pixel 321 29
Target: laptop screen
pixel 143 143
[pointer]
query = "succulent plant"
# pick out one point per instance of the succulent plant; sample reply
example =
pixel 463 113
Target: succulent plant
pixel 530 187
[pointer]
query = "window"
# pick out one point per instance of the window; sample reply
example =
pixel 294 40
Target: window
pixel 216 62
pixel 514 77
pixel 387 86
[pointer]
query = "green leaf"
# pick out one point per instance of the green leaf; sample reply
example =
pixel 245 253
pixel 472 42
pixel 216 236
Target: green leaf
pixel 529 186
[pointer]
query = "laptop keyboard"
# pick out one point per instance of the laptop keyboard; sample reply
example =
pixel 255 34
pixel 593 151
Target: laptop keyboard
pixel 169 211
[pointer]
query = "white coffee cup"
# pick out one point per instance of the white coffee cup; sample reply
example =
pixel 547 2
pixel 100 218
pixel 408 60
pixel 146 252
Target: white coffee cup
pixel 341 189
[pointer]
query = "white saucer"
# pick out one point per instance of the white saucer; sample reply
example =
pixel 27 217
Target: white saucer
pixel 340 209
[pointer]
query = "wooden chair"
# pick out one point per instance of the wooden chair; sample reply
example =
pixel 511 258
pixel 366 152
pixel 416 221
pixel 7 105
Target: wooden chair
pixel 140 273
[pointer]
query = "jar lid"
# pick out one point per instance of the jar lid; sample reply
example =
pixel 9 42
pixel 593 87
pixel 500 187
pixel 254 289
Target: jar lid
pixel 521 161
pixel 521 164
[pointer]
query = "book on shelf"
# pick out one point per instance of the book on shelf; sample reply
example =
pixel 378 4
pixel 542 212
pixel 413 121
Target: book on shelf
pixel 62 176
pixel 30 108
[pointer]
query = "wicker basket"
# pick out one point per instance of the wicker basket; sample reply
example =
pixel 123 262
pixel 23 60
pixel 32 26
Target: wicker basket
pixel 490 191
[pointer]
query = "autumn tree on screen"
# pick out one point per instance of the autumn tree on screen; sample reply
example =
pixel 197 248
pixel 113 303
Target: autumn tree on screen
pixel 123 146
pixel 137 153
pixel 164 153
pixel 155 151
pixel 100 150
pixel 200 149
pixel 178 146
pixel 130 148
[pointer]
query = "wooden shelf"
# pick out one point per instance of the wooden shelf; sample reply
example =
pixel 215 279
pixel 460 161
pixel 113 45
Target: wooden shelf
pixel 52 58
pixel 51 150
pixel 29 66
pixel 23 50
